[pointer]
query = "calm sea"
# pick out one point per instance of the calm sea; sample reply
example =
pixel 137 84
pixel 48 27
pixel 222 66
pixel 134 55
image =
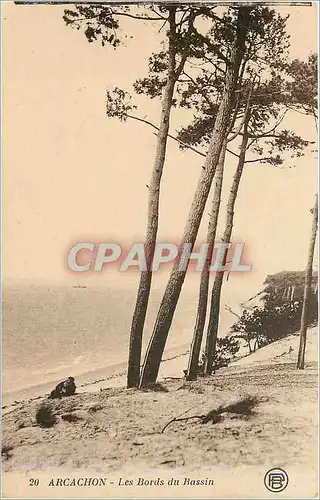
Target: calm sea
pixel 51 332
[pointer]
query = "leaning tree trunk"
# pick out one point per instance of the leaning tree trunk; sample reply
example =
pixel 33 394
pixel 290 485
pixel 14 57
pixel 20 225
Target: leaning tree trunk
pixel 140 311
pixel 307 290
pixel 213 323
pixel 169 301
pixel 192 370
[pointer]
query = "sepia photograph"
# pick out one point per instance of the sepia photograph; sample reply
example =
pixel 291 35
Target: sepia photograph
pixel 160 249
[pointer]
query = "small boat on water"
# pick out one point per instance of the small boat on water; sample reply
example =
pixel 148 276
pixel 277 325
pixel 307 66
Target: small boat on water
pixel 79 286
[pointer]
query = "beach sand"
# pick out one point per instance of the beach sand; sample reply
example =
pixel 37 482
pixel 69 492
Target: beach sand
pixel 118 433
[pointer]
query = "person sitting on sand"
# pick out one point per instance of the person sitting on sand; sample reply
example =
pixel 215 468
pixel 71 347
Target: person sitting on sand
pixel 65 388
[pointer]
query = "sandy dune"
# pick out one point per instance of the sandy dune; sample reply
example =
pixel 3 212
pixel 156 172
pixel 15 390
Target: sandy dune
pixel 118 434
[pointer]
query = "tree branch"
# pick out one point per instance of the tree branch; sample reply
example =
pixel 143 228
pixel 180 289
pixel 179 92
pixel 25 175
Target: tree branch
pixel 211 105
pixel 228 308
pixel 232 152
pixel 76 19
pixel 237 104
pixel 184 144
pixel 296 109
pixel 216 67
pixel 245 115
pixel 157 13
pixel 268 133
pixel 177 419
pixel 211 46
pixel 208 13
pixel 260 160
pixel 142 18
pixel 192 17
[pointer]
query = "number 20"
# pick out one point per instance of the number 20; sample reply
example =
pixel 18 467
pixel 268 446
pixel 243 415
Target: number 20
pixel 33 482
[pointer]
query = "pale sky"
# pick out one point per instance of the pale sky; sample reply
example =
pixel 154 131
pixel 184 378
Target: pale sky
pixel 72 174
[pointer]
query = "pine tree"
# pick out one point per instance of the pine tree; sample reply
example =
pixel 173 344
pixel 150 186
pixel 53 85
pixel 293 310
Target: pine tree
pixel 167 308
pixel 268 104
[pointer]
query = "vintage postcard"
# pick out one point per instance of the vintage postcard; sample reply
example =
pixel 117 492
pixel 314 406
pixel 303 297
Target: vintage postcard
pixel 159 236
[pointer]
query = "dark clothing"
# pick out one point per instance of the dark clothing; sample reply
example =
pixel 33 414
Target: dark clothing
pixel 65 388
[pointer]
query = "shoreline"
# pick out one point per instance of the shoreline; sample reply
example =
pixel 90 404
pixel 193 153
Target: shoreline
pixel 172 365
pixel 111 376
pixel 120 433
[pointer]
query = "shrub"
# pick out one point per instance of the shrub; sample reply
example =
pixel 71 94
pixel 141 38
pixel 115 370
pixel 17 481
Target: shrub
pixel 226 348
pixel 272 321
pixel 45 416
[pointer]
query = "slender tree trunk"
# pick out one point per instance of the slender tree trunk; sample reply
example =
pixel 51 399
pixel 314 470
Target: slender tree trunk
pixel 140 311
pixel 292 293
pixel 139 315
pixel 168 305
pixel 307 290
pixel 213 324
pixel 205 275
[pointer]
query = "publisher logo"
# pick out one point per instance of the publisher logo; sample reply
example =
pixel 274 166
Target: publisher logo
pixel 276 480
